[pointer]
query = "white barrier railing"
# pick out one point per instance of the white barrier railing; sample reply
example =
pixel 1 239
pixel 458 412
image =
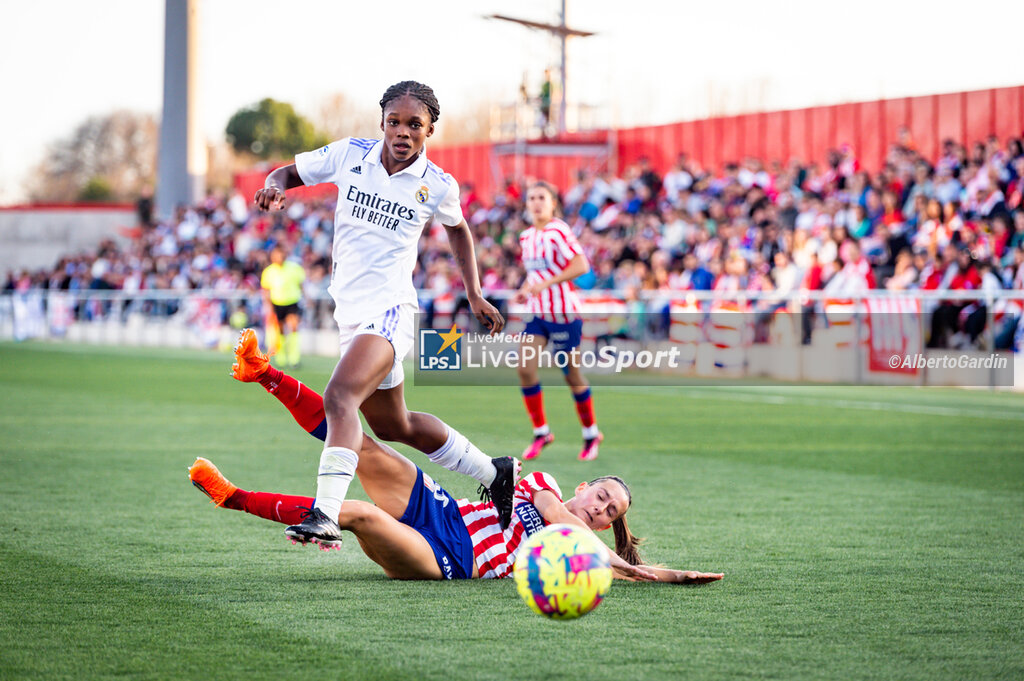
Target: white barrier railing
pixel 204 318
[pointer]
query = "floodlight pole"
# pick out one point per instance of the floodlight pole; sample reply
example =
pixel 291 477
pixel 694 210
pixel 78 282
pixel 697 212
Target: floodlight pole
pixel 181 160
pixel 563 32
pixel 562 76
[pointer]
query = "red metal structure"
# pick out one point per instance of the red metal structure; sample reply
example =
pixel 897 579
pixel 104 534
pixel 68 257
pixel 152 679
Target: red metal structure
pixel 805 134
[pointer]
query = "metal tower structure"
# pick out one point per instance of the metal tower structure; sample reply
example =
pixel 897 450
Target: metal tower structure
pixel 563 32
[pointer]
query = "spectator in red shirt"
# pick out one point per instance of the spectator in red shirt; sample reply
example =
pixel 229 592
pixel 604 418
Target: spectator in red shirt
pixel 959 316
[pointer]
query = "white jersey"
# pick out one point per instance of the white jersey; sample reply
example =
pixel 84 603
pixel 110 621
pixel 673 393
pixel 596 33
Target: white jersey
pixel 546 253
pixel 377 223
pixel 494 549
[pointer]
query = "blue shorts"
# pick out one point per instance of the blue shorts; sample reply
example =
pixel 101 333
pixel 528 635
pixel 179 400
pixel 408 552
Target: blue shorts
pixel 434 514
pixel 564 336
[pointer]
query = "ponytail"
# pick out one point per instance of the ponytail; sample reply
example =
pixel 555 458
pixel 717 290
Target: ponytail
pixel 626 544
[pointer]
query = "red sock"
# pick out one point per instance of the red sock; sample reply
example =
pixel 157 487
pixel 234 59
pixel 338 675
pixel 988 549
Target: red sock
pixel 281 508
pixel 534 399
pixel 270 378
pixel 585 407
pixel 305 404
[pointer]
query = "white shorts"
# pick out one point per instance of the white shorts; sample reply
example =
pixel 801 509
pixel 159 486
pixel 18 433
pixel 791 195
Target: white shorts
pixel 397 326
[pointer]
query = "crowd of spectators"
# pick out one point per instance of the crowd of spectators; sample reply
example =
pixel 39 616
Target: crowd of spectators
pixel 951 223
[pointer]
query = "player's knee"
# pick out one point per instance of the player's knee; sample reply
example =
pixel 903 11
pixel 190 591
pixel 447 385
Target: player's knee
pixel 340 400
pixel 356 515
pixel 394 428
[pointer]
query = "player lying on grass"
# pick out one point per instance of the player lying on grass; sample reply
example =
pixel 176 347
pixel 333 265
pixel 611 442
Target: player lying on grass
pixel 415 530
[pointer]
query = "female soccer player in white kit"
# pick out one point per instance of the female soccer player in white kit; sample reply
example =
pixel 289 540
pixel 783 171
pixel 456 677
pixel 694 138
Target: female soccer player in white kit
pixel 387 192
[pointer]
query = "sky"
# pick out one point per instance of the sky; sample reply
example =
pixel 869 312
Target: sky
pixel 650 62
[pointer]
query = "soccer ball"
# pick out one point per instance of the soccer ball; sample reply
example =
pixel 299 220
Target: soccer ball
pixel 562 572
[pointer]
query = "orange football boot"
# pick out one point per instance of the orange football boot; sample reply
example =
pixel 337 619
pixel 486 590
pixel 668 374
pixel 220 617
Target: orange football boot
pixel 250 363
pixel 210 481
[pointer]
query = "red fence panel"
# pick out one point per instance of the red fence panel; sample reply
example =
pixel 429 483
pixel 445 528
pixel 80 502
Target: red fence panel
pixel 823 136
pixel 923 124
pixel 978 115
pixel 728 141
pixel 665 147
pixel 753 134
pixel 706 151
pixel 949 121
pixel 630 147
pixel 800 140
pixel 775 125
pixel 897 115
pixel 872 136
pixel 847 130
pixel 1009 116
pixel 779 135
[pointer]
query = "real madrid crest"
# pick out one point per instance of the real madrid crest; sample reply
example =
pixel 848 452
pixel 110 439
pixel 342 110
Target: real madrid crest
pixel 423 195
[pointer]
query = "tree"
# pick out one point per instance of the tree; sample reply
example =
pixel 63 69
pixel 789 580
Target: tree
pixel 271 129
pixel 96 189
pixel 110 156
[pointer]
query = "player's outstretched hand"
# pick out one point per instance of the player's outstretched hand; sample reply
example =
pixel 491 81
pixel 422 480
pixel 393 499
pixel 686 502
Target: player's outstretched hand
pixel 694 577
pixel 269 198
pixel 487 315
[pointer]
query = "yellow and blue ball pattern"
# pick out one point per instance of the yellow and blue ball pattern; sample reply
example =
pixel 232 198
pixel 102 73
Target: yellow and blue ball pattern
pixel 562 572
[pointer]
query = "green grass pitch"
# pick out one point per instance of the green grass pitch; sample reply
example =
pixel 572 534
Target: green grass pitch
pixel 865 534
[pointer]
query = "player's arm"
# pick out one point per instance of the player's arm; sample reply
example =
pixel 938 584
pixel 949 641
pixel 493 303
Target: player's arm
pixel 675 576
pixel 577 266
pixel 272 195
pixel 554 511
pixel 461 241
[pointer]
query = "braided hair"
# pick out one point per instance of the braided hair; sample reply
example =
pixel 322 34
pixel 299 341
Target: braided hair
pixel 416 90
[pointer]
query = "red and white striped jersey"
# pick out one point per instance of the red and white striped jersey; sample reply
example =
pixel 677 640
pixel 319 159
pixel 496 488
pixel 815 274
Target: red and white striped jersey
pixel 546 253
pixel 493 549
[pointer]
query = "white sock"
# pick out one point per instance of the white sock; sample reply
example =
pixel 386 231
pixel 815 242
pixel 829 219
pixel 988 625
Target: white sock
pixel 590 432
pixel 337 468
pixel 542 430
pixel 462 456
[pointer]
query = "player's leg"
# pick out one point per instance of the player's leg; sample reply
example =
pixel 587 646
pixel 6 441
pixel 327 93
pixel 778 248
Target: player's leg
pixel 420 430
pixel 581 395
pixel 401 551
pixel 389 418
pixel 304 404
pixel 534 340
pixel 366 361
pixel 388 478
pixel 580 388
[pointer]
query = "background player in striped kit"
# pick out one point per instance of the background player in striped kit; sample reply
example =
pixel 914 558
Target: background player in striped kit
pixel 553 258
pixel 387 192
